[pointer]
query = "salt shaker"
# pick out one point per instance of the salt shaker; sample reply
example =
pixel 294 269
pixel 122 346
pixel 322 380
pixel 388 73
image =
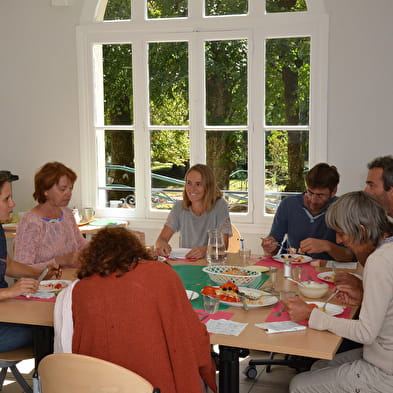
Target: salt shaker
pixel 287 269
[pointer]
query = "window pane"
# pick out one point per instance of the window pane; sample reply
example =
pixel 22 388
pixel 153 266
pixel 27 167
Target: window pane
pixel 227 156
pixel 117 69
pixel 120 168
pixel 287 81
pixel 118 10
pixel 170 156
pixel 168 73
pixel 226 7
pixel 167 9
pixel 286 158
pixel 285 5
pixel 226 82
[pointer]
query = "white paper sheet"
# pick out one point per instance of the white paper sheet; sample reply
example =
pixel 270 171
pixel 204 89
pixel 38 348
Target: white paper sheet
pixel 223 326
pixel 280 327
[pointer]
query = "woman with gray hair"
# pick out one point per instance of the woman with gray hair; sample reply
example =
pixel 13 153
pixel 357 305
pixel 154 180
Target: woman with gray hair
pixel 362 225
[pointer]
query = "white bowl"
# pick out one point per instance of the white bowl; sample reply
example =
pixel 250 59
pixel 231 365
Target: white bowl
pixel 312 289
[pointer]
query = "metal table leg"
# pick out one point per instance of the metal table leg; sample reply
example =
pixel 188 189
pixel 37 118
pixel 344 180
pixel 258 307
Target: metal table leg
pixel 228 378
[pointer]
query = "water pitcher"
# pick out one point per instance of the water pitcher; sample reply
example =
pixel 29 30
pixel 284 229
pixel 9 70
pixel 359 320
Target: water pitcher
pixel 216 252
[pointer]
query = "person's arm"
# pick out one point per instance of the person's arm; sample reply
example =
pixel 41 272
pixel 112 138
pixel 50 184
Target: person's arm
pixel 317 246
pixel 163 247
pixel 278 230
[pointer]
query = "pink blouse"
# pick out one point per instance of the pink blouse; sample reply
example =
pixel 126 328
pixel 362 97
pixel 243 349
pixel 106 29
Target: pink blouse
pixel 38 242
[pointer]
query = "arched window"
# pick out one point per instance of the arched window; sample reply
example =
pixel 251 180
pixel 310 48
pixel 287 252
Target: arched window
pixel 237 84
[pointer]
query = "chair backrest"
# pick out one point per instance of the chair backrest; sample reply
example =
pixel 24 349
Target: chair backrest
pixel 234 240
pixel 69 372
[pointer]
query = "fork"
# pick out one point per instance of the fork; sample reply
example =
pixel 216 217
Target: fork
pixel 330 298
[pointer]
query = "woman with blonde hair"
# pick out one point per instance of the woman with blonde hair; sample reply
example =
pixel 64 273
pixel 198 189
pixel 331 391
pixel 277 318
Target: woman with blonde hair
pixel 201 209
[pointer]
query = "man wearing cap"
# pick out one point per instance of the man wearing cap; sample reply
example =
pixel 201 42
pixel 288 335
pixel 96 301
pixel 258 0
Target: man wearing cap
pixel 13 335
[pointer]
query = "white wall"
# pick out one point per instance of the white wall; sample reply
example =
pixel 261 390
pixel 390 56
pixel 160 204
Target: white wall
pixel 39 97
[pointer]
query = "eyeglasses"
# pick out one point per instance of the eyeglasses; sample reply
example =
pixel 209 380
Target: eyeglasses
pixel 311 194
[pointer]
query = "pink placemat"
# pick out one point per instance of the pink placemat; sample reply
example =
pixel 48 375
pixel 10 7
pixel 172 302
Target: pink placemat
pixel 285 317
pixel 217 315
pixel 37 299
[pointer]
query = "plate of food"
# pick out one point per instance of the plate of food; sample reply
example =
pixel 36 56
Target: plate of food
pixel 229 295
pixel 179 253
pixel 331 309
pixel 327 276
pixel 53 285
pixel 293 258
pixel 330 276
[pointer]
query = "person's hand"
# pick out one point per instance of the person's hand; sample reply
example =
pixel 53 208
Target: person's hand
pixel 54 271
pixel 350 295
pixel 23 285
pixel 269 245
pixel 297 309
pixel 163 248
pixel 198 252
pixel 314 246
pixel 345 278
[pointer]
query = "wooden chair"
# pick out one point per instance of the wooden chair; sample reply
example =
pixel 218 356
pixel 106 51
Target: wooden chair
pixel 234 240
pixel 69 372
pixel 9 360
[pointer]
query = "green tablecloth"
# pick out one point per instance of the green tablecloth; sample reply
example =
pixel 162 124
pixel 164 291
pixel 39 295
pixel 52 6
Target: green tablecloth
pixel 195 279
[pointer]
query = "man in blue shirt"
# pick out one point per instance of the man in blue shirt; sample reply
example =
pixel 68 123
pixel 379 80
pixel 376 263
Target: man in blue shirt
pixel 302 218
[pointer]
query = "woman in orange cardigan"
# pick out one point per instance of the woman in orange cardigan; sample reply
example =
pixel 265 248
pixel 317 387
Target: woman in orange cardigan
pixel 134 312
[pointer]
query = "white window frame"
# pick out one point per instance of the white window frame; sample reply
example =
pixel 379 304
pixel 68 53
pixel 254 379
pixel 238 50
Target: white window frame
pixel 313 23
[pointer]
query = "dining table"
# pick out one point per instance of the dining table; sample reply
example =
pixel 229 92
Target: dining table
pixel 309 342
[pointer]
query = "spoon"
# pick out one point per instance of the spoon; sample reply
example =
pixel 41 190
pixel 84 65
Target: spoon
pixel 297 282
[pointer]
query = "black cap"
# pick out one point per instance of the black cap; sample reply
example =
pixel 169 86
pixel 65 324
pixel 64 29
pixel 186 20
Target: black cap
pixel 8 176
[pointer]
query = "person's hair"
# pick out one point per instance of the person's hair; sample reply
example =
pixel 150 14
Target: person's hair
pixel 386 163
pixel 49 175
pixel 323 175
pixel 212 192
pixel 112 249
pixel 7 176
pixel 360 216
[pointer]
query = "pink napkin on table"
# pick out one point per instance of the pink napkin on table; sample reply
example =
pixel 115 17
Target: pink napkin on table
pixel 269 262
pixel 38 299
pixel 216 316
pixel 285 317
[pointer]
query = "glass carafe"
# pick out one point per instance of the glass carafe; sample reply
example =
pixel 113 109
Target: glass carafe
pixel 216 252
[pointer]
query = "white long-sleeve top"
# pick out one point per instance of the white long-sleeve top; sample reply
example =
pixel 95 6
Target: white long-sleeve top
pixel 374 328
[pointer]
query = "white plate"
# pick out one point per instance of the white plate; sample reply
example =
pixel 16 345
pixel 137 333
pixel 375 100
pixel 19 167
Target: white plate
pixel 262 302
pixel 179 253
pixel 52 285
pixel 104 222
pixel 258 268
pixel 304 258
pixel 161 259
pixel 329 276
pixel 192 295
pixel 331 309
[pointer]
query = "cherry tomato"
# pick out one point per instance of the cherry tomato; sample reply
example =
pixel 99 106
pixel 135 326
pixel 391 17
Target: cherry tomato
pixel 209 291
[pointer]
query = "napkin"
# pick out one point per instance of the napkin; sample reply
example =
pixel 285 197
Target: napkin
pixel 223 326
pixel 342 265
pixel 280 327
pixel 179 253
